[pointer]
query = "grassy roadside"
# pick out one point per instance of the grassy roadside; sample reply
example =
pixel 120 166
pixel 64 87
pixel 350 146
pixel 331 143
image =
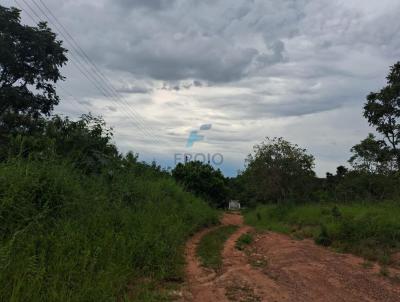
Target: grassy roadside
pixel 243 241
pixel 370 230
pixel 210 246
pixel 68 236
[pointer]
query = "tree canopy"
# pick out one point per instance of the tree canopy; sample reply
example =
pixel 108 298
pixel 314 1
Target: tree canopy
pixel 278 170
pixel 382 110
pixel 371 156
pixel 203 180
pixel 30 62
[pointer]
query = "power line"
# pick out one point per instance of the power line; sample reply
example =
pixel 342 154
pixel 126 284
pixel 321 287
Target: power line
pixel 94 67
pixel 26 12
pixel 81 67
pixel 83 54
pixel 103 89
pixel 62 88
pixel 74 98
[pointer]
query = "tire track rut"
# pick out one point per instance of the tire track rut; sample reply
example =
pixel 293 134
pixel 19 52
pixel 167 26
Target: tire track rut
pixel 277 268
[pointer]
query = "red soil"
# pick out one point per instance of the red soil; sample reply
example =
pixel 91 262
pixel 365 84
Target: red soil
pixel 276 268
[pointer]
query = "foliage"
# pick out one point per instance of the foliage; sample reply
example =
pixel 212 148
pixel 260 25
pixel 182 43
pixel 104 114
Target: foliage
pixel 203 180
pixel 78 220
pixel 67 236
pixel 239 189
pixel 87 142
pixel 369 229
pixel 372 156
pixel 365 186
pixel 278 171
pixel 81 222
pixel 211 245
pixel 243 241
pixel 323 237
pixel 30 58
pixel 382 110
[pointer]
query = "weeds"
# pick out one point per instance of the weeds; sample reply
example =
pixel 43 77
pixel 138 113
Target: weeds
pixel 367 264
pixel 241 293
pixel 67 236
pixel 371 230
pixel 258 262
pixel 323 237
pixel 243 241
pixel 384 271
pixel 210 246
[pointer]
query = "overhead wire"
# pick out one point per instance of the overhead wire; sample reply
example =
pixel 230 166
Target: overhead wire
pixel 83 54
pixel 103 89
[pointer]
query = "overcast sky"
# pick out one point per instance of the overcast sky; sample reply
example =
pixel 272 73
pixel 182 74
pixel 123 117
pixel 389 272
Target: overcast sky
pixel 299 69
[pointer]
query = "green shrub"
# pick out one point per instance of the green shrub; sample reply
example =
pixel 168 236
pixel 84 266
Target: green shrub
pixel 243 241
pixel 368 229
pixel 67 236
pixel 323 237
pixel 211 245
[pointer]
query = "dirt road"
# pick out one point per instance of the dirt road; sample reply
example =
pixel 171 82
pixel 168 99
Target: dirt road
pixel 277 268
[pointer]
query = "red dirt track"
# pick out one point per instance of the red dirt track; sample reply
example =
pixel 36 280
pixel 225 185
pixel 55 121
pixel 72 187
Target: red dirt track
pixel 277 268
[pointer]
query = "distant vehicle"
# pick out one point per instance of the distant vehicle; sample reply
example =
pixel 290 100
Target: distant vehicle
pixel 234 205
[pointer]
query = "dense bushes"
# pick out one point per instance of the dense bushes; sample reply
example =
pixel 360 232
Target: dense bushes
pixel 66 236
pixel 78 220
pixel 204 181
pixel 81 222
pixel 371 230
pixel 357 185
pixel 277 171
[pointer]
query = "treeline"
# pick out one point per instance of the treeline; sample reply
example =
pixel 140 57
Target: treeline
pixel 79 221
pixel 278 171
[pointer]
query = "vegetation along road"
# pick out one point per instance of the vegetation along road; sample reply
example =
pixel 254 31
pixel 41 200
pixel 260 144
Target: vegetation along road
pixel 82 218
pixel 275 267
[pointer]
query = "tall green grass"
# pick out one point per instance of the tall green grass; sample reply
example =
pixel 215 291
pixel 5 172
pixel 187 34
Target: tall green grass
pixel 66 236
pixel 211 245
pixel 371 230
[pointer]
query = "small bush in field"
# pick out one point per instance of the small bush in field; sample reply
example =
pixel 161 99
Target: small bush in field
pixel 336 212
pixel 323 237
pixel 371 230
pixel 384 271
pixel 211 245
pixel 243 241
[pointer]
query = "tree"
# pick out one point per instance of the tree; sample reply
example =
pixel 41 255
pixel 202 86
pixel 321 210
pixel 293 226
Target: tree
pixel 86 142
pixel 202 180
pixel 371 156
pixel 279 170
pixel 341 171
pixel 30 58
pixel 382 110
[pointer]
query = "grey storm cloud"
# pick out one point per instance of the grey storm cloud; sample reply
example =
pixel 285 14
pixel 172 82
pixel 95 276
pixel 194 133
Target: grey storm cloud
pixel 177 86
pixel 150 4
pixel 221 41
pixel 206 40
pixel 275 55
pixel 112 108
pixel 135 89
pixel 85 102
pixel 176 60
pixel 251 64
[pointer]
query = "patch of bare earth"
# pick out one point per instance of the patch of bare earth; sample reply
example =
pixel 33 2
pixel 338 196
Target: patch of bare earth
pixel 278 268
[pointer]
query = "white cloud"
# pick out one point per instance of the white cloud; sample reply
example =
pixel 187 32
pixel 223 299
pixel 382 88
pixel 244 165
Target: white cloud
pixel 297 69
